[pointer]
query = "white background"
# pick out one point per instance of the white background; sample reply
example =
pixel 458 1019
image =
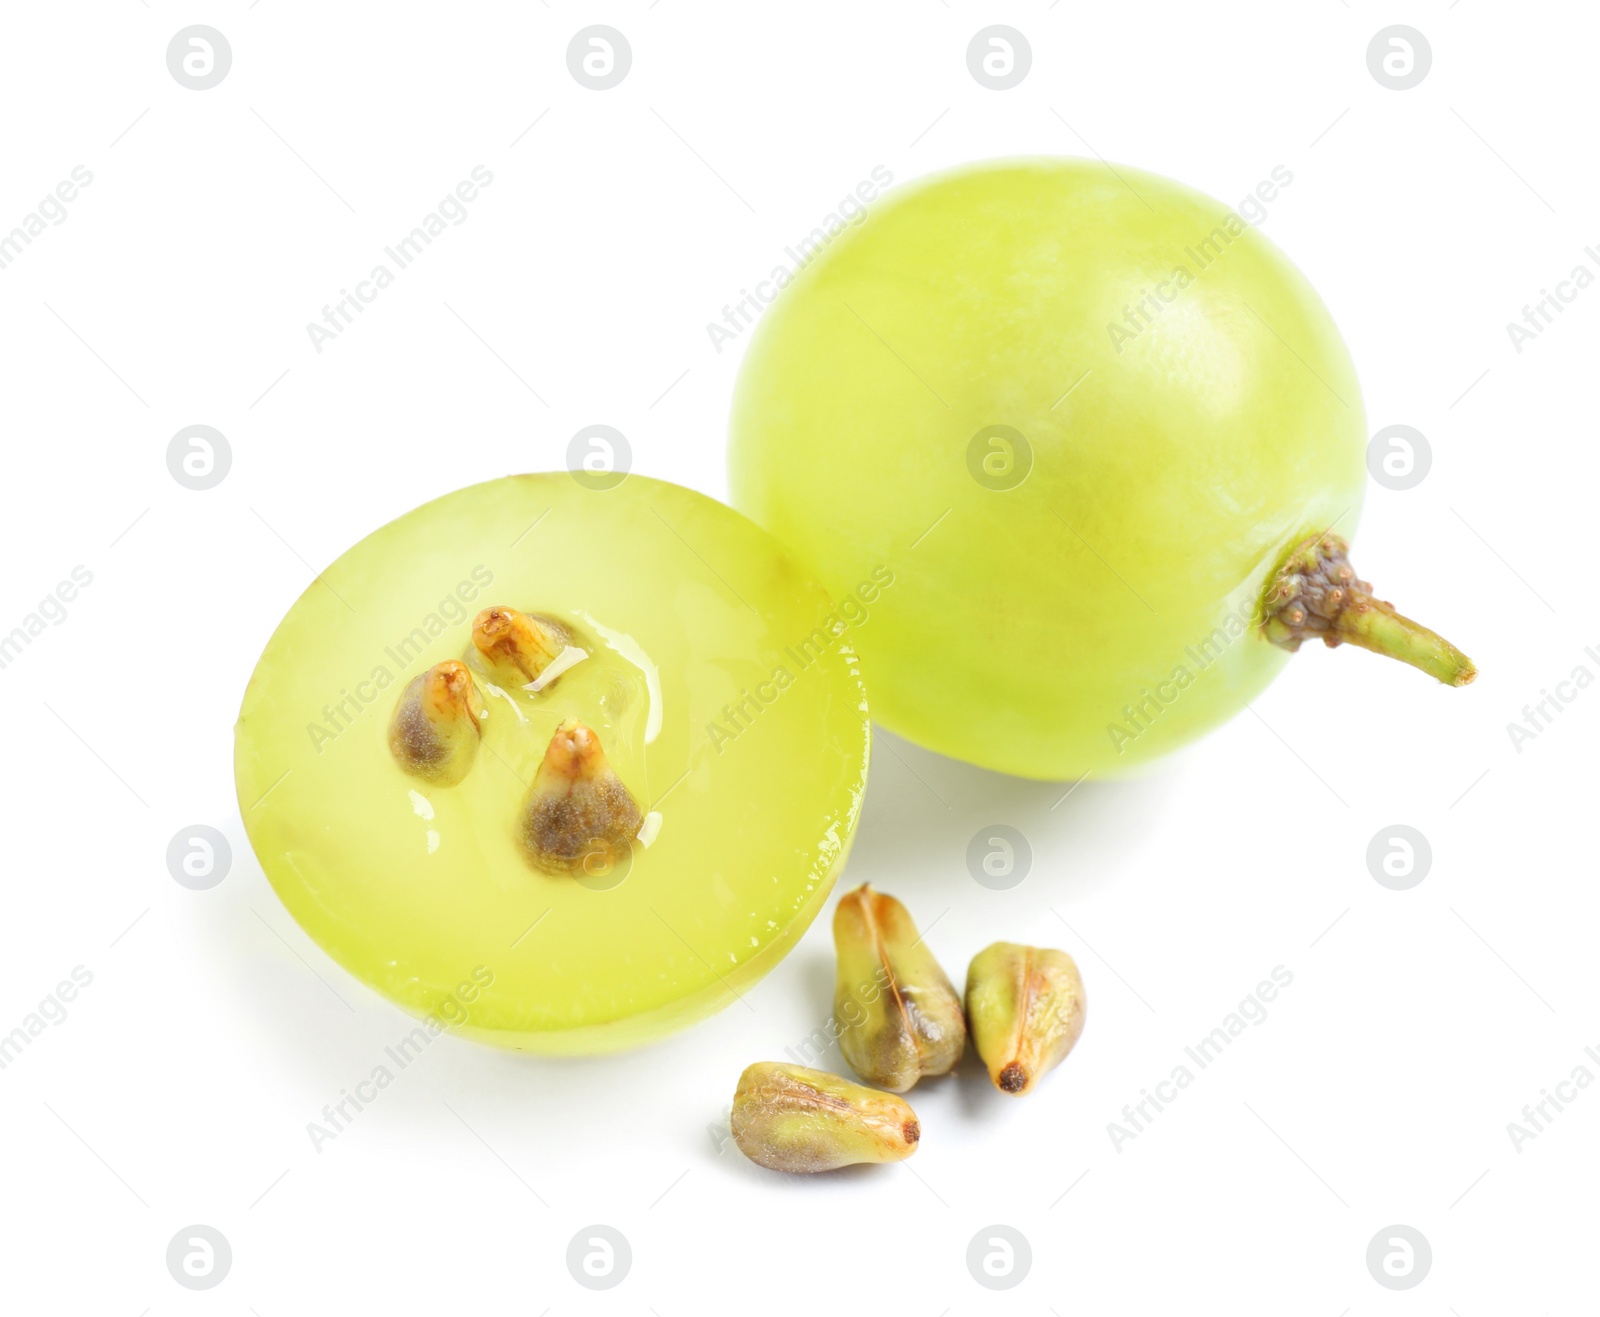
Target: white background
pixel 1378 1090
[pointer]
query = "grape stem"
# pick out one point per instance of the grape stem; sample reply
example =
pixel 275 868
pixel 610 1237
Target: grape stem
pixel 1316 594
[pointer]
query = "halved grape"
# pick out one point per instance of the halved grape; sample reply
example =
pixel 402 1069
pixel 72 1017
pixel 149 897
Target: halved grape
pixel 663 780
pixel 1105 435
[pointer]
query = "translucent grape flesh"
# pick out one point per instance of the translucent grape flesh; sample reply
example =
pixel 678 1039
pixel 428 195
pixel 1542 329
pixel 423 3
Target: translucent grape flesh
pixel 418 889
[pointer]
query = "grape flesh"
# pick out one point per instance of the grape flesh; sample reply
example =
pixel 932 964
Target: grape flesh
pixel 1084 415
pixel 746 763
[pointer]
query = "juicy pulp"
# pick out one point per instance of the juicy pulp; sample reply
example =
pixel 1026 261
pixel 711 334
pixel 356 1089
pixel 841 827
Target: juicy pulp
pixel 753 761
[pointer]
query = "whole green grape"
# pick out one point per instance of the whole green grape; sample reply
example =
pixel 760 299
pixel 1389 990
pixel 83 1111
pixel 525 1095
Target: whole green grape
pixel 1108 439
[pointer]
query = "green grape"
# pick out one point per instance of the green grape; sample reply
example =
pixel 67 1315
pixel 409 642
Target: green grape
pixel 1107 438
pixel 559 767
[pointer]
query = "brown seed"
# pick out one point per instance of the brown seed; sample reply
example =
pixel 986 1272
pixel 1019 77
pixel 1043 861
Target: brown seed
pixel 435 729
pixel 578 817
pixel 1025 1006
pixel 789 1118
pixel 515 647
pixel 898 1014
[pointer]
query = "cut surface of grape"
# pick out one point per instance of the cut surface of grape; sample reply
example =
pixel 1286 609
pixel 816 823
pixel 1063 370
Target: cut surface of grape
pixel 540 763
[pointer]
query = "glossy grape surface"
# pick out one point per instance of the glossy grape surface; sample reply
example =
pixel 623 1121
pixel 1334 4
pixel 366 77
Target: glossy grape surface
pixel 1080 519
pixel 754 760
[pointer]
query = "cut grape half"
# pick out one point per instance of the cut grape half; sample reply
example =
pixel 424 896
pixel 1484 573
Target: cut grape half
pixel 562 769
